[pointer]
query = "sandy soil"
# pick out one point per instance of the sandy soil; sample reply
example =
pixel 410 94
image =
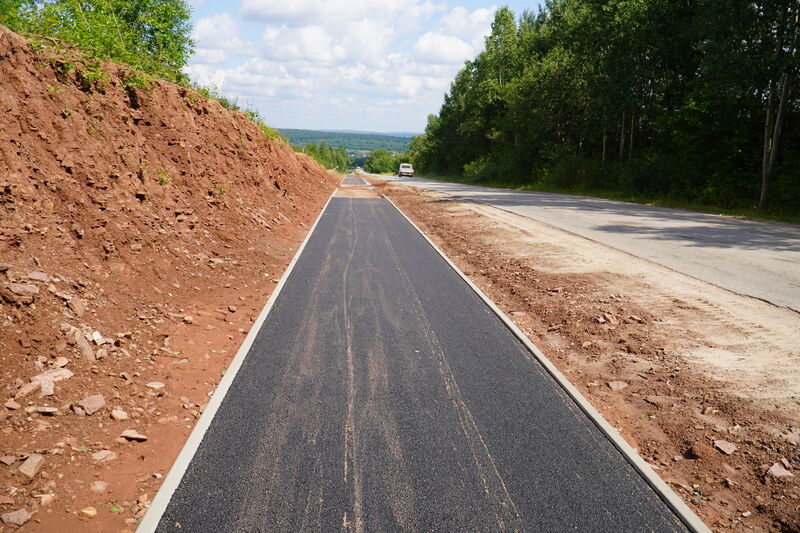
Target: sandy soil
pixel 703 382
pixel 141 232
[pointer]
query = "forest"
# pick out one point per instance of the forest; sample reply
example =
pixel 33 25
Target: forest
pixel 351 141
pixel 694 100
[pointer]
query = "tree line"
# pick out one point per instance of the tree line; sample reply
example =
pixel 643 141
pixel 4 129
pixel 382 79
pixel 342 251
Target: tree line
pixel 326 155
pixel 685 99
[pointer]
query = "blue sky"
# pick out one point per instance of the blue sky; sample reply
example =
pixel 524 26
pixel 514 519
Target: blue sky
pixel 382 65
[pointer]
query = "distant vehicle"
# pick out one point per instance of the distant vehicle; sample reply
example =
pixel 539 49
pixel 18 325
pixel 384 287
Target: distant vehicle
pixel 405 170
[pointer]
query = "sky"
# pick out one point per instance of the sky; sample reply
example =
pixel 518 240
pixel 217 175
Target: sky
pixel 380 65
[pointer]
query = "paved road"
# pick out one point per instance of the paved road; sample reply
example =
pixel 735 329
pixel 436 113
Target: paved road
pixel 382 394
pixel 753 258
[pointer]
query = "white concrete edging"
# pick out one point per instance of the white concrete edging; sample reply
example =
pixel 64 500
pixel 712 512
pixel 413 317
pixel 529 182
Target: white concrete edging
pixel 164 495
pixel 673 501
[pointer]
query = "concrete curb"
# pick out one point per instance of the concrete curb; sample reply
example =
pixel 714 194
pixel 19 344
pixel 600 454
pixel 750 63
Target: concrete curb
pixel 673 501
pixel 164 495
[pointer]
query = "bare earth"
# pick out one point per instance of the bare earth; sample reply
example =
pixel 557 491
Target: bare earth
pixel 703 382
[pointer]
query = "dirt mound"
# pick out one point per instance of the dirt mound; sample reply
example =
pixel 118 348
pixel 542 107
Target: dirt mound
pixel 141 229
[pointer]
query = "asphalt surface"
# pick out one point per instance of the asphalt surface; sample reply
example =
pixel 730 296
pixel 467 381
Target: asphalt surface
pixel 758 259
pixel 382 394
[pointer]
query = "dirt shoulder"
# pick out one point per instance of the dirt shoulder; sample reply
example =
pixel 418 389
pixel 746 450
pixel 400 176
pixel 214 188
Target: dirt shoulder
pixel 702 382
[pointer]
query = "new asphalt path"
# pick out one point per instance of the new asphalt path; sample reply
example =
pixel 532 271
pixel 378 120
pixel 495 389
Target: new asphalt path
pixel 382 394
pixel 758 259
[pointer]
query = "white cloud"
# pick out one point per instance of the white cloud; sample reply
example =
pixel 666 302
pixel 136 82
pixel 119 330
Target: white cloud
pixel 315 11
pixel 471 26
pixel 217 32
pixel 381 65
pixel 443 49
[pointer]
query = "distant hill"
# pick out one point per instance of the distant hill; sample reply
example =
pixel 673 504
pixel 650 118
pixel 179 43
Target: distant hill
pixel 351 141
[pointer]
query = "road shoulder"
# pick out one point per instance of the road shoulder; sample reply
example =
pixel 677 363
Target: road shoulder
pixel 678 366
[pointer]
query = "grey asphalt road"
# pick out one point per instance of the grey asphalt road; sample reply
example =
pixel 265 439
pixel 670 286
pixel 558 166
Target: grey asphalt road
pixel 758 259
pixel 382 394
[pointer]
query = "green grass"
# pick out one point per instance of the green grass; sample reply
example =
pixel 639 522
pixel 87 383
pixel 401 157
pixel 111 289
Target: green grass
pixel 674 203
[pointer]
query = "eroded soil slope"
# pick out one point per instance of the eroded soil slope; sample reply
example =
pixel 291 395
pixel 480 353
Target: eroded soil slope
pixel 141 230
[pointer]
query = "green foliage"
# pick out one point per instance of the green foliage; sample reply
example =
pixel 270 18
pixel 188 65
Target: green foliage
pixel 648 98
pixel 351 141
pixel 163 177
pixel 220 189
pixel 149 35
pixel 326 155
pixel 380 161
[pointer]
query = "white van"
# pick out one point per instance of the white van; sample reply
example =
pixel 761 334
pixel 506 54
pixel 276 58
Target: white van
pixel 405 170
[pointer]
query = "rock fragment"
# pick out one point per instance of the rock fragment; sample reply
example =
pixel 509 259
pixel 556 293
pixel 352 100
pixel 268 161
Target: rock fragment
pixel 75 305
pixel 39 276
pixel 54 374
pixel 132 434
pixel 155 385
pixel 725 447
pixel 11 404
pixel 27 390
pixel 777 470
pixel 119 414
pixel 32 465
pixel 89 512
pixel 19 293
pixel 17 518
pixel 616 385
pixel 99 487
pixel 8 460
pixel 103 456
pixel 92 404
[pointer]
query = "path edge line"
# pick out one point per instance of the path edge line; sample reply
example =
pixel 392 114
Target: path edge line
pixel 162 498
pixel 659 486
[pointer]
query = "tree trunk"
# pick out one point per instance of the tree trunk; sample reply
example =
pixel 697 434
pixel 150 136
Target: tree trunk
pixel 605 140
pixel 773 125
pixel 622 137
pixel 630 144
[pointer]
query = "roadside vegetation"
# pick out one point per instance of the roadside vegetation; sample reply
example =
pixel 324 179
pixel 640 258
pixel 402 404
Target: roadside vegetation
pixel 688 104
pixel 326 155
pixel 381 161
pixel 150 36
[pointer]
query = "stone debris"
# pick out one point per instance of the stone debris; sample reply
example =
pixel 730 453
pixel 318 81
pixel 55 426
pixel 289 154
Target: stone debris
pixel 19 293
pixel 99 487
pixel 11 404
pixel 725 447
pixel 48 388
pixel 46 499
pixel 60 362
pixel 662 402
pixel 92 404
pixel 132 434
pixel 42 410
pixel 83 345
pixel 27 390
pixel 39 276
pixel 617 385
pixel 32 465
pixel 54 374
pixel 6 500
pixel 89 512
pixel 188 319
pixel 232 308
pixel 155 385
pixel 16 518
pixel 8 460
pixel 119 414
pixel 103 456
pixel 777 470
pixel 75 305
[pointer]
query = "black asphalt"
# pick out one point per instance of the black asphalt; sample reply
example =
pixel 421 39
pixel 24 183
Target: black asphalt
pixel 382 394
